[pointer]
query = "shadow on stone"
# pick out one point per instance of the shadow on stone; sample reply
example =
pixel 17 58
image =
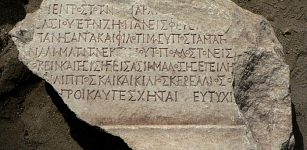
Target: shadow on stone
pixel 299 142
pixel 89 137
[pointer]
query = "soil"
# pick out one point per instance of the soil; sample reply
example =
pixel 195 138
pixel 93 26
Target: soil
pixel 32 116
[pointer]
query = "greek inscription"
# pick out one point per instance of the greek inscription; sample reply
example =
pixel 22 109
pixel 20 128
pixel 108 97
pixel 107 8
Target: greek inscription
pixel 121 95
pixel 81 9
pixel 142 59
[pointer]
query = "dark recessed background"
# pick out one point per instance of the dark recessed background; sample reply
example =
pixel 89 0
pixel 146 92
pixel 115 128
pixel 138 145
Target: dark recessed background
pixel 32 116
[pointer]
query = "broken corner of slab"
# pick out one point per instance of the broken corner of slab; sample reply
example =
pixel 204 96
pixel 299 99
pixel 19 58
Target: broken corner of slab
pixel 164 74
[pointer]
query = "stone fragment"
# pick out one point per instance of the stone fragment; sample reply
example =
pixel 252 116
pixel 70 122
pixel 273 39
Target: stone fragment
pixel 164 74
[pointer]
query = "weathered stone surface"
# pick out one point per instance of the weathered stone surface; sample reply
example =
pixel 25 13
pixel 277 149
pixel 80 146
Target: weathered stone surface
pixel 164 74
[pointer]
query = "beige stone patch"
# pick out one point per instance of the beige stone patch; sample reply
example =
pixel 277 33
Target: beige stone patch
pixel 162 74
